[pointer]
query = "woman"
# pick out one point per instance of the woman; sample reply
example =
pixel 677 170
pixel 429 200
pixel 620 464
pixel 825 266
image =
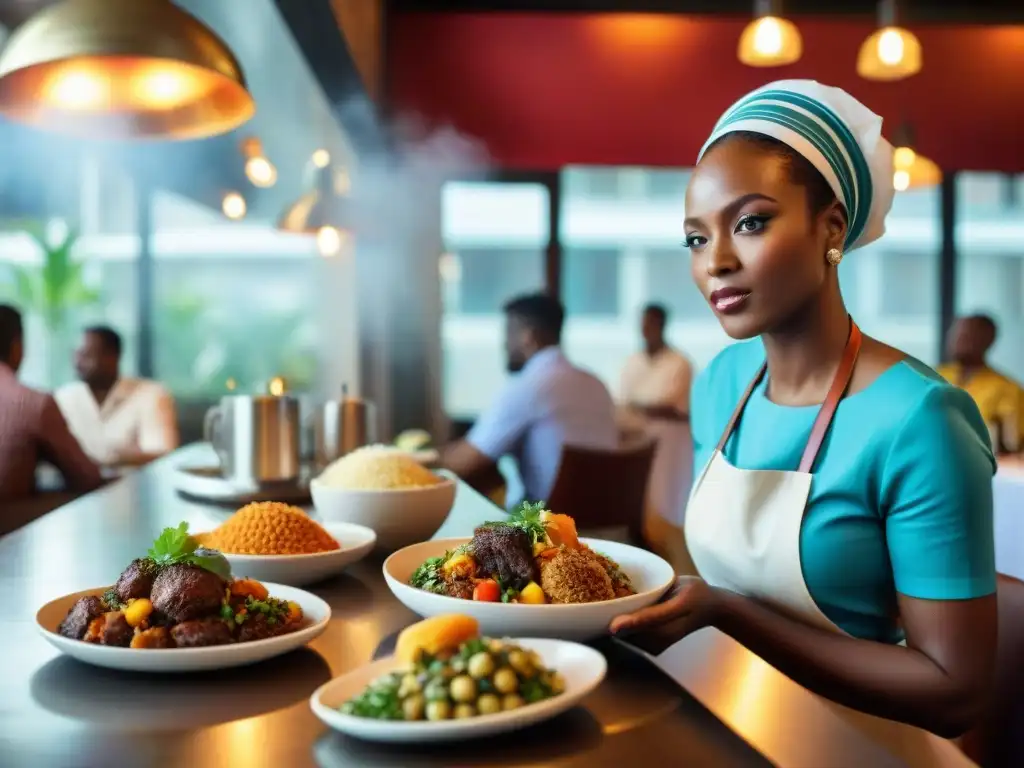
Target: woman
pixel 841 518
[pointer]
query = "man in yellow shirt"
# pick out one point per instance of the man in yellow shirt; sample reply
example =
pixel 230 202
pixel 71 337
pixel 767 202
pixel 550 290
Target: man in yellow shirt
pixel 1000 399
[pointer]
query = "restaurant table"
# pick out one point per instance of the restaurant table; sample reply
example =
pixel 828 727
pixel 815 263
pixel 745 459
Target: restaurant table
pixel 705 701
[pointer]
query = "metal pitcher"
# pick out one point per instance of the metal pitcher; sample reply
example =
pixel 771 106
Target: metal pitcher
pixel 256 438
pixel 343 425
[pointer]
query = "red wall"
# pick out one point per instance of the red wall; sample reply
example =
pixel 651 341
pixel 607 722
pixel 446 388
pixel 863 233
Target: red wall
pixel 546 90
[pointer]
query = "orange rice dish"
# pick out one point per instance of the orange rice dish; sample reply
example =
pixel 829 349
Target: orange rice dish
pixel 269 528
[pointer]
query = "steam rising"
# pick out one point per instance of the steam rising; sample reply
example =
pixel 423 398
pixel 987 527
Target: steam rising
pixel 396 215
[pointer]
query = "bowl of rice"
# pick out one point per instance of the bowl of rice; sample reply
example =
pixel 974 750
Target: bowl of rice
pixel 387 490
pixel 279 543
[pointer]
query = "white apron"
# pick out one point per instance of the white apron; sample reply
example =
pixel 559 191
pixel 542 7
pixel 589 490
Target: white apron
pixel 743 526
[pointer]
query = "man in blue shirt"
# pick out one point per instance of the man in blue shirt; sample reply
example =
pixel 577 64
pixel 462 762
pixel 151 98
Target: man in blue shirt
pixel 546 404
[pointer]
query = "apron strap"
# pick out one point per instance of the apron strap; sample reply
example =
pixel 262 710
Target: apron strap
pixel 835 393
pixel 828 409
pixel 740 406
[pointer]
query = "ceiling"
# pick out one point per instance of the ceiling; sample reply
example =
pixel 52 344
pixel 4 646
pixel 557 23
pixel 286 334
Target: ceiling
pixel 292 120
pixel 920 11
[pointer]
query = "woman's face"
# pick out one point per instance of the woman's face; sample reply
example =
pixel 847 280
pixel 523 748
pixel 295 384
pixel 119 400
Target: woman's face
pixel 758 253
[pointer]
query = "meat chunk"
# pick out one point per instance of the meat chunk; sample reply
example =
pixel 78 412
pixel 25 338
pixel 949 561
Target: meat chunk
pixel 80 616
pixel 110 629
pixel 137 580
pixel 258 628
pixel 201 633
pixel 575 576
pixel 505 552
pixel 455 586
pixel 183 592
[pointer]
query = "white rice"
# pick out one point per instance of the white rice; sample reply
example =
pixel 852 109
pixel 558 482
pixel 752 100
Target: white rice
pixel 377 468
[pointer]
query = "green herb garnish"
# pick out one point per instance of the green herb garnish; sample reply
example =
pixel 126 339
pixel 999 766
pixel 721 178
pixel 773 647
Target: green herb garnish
pixel 526 517
pixel 175 546
pixel 430 576
pixel 112 601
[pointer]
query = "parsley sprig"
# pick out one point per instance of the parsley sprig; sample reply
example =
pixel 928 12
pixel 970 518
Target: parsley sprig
pixel 527 518
pixel 175 545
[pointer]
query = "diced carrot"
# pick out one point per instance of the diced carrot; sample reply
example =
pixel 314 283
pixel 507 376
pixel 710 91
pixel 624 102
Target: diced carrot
pixel 249 588
pixel 561 529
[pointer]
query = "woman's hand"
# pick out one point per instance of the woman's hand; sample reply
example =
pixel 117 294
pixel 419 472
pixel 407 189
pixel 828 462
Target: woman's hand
pixel 691 605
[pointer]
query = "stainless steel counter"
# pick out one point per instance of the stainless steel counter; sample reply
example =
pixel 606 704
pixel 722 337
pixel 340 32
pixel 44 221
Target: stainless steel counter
pixel 57 712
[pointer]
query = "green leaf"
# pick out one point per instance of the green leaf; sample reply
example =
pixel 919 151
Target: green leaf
pixel 172 544
pixel 527 518
pixel 212 561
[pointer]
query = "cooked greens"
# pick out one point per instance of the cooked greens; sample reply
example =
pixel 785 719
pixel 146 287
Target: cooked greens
pixel 429 576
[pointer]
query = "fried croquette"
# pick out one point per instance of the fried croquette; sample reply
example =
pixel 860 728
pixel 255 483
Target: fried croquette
pixel 575 576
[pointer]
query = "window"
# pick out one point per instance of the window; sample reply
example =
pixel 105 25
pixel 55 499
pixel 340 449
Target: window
pixel 495 237
pixel 619 253
pixel 590 282
pixel 891 286
pixel 670 282
pixel 99 286
pixel 989 231
pixel 234 304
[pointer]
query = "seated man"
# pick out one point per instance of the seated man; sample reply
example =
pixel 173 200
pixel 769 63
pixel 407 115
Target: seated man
pixel 118 420
pixel 1000 399
pixel 547 404
pixel 31 426
pixel 656 382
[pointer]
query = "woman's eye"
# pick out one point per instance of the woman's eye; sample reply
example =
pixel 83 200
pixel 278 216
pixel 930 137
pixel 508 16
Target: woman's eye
pixel 751 223
pixel 694 241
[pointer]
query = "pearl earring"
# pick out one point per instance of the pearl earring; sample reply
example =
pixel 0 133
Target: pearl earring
pixel 834 256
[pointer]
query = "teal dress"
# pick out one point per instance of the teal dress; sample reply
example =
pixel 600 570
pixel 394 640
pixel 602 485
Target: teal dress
pixel 901 500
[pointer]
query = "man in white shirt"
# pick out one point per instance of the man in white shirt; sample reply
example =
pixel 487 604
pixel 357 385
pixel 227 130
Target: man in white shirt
pixel 548 403
pixel 655 400
pixel 656 381
pixel 119 421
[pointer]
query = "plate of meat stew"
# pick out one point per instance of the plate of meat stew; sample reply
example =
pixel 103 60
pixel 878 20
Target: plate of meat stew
pixel 180 609
pixel 529 575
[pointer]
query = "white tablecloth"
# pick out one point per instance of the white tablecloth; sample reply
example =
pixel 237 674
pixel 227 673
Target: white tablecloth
pixel 1008 491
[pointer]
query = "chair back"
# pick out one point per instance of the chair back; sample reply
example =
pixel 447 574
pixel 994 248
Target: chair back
pixel 604 489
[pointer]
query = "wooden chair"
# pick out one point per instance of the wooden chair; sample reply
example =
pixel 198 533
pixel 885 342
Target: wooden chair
pixel 604 489
pixel 998 741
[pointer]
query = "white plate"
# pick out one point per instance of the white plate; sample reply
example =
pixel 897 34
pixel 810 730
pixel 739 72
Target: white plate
pixel 316 616
pixel 582 668
pixel 356 542
pixel 650 575
pixel 207 483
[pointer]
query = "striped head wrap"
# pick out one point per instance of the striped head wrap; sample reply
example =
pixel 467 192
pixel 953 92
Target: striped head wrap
pixel 838 135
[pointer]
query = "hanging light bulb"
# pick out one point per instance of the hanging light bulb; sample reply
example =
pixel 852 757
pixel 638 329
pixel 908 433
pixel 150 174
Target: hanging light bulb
pixel 122 69
pixel 233 205
pixel 258 168
pixel 261 172
pixel 891 52
pixel 321 158
pixel 910 169
pixel 321 210
pixel 769 41
pixel 328 241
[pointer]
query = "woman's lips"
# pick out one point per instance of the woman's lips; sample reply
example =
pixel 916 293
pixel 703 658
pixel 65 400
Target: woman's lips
pixel 728 300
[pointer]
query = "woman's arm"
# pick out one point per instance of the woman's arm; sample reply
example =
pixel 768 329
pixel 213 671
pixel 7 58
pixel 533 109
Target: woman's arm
pixel 941 681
